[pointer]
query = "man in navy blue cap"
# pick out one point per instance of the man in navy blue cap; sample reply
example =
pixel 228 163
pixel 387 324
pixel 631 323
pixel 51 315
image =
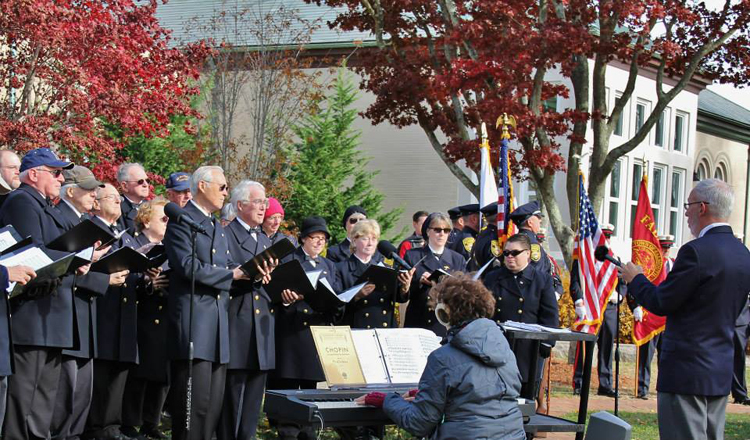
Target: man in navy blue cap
pixel 178 188
pixel 458 224
pixel 486 247
pixel 43 323
pixel 464 240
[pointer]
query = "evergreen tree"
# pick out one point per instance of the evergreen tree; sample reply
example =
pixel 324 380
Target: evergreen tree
pixel 328 173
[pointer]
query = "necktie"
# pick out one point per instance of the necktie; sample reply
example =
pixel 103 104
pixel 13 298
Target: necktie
pixel 315 260
pixel 255 230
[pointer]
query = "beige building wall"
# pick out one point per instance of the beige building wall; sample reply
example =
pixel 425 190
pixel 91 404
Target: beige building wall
pixel 725 159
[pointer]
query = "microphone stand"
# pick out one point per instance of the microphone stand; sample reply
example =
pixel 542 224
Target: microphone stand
pixel 189 394
pixel 617 349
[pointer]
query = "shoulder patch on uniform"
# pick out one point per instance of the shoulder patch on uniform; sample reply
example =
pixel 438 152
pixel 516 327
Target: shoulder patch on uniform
pixel 536 252
pixel 495 248
pixel 468 243
pixel 388 262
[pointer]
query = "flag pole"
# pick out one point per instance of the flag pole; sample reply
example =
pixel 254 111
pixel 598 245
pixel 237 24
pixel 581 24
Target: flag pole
pixel 637 368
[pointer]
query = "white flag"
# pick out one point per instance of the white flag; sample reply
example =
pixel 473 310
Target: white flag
pixel 487 182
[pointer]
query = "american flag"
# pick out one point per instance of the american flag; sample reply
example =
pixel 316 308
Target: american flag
pixel 505 227
pixel 598 279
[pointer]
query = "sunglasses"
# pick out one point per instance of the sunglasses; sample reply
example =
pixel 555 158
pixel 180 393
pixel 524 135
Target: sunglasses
pixel 353 221
pixel 139 181
pixel 56 173
pixel 514 253
pixel 443 230
pixel 222 187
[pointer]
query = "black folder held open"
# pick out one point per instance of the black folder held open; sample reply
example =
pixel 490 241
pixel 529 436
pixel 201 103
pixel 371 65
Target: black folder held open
pixel 277 251
pixel 129 259
pixel 82 236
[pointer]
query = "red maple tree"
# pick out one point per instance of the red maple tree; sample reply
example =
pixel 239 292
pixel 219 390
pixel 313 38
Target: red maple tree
pixel 70 68
pixel 448 65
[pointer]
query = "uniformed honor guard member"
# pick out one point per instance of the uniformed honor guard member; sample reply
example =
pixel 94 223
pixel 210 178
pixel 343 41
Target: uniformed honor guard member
pixel 77 195
pixel 148 384
pixel 646 351
pixel 458 225
pixel 133 183
pixel 210 326
pixel 342 251
pixel 464 241
pixel 486 246
pixel 43 320
pixel 606 338
pixel 415 240
pixel 370 308
pixel 523 294
pixel 528 218
pixel 251 319
pixel 117 329
pixel 297 362
pixel 272 221
pixel 178 188
pixel 432 257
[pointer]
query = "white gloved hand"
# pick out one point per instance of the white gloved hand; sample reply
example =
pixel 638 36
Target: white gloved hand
pixel 638 313
pixel 580 310
pixel 614 297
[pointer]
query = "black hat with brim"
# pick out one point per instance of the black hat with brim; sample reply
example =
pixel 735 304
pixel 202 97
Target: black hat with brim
pixel 314 224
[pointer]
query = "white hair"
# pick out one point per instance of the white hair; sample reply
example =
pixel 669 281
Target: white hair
pixel 717 195
pixel 64 190
pixel 241 192
pixel 123 173
pixel 203 174
pixel 228 213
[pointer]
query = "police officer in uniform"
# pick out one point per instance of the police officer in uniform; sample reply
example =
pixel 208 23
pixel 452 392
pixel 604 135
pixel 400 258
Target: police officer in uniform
pixel 297 362
pixel 486 246
pixel 251 319
pixel 342 251
pixel 606 338
pixel 432 256
pixel 464 240
pixel 528 218
pixel 210 326
pixel 458 225
pixel 523 294
pixel 415 240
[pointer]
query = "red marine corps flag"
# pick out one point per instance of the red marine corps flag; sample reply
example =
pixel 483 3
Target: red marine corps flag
pixel 647 254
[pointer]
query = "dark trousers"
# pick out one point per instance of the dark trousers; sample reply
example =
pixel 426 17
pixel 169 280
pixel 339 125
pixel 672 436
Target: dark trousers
pixel 73 397
pixel 207 399
pixel 3 399
pixel 739 388
pixel 645 356
pixel 285 429
pixel 605 344
pixel 143 402
pixel 243 395
pixel 32 392
pixel 105 415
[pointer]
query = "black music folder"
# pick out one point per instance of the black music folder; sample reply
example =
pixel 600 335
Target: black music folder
pixel 82 236
pixel 127 259
pixel 317 291
pixel 45 268
pixel 277 251
pixel 437 274
pixel 384 278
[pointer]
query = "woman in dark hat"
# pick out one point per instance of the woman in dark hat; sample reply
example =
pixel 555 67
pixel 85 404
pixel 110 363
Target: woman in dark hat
pixel 434 256
pixel 342 251
pixel 297 362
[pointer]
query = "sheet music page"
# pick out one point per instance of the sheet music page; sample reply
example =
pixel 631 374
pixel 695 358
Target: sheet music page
pixel 33 257
pixel 481 271
pixel 405 352
pixel 86 254
pixel 6 240
pixel 347 295
pixel 370 356
pixel 313 276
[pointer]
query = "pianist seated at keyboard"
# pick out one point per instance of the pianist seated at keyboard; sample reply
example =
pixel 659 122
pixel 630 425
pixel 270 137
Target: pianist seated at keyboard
pixel 470 385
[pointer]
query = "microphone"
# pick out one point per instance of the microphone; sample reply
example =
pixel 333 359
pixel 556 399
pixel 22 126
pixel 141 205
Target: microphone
pixel 389 250
pixel 178 215
pixel 602 253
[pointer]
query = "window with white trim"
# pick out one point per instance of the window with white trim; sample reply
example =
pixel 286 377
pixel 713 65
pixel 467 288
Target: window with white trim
pixel 658 182
pixel 680 132
pixel 620 124
pixel 675 203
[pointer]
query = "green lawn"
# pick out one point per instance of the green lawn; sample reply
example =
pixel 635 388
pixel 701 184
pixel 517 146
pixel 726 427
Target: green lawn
pixel 645 425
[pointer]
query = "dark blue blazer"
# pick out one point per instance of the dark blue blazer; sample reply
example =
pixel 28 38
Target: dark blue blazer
pixel 48 321
pixel 213 279
pixel 6 341
pixel 251 314
pixel 85 291
pixel 127 219
pixel 701 298
pixel 420 312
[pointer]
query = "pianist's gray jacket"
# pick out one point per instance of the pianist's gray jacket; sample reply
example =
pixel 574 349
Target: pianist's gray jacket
pixel 467 390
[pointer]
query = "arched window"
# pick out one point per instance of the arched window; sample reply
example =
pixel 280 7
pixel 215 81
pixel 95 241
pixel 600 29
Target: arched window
pixel 702 170
pixel 721 172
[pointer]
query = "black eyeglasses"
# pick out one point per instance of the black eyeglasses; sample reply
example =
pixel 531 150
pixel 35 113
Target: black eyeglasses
pixel 222 187
pixel 139 181
pixel 687 205
pixel 353 221
pixel 443 230
pixel 514 253
pixel 56 173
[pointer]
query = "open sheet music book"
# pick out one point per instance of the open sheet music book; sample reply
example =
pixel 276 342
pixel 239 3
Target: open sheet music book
pixel 375 357
pixel 42 264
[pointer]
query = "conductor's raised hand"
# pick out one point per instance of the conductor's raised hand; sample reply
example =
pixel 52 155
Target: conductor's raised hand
pixel 290 297
pixel 628 271
pixel 21 274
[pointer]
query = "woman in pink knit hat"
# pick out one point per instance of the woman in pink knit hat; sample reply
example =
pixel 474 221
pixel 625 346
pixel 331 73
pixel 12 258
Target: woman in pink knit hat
pixel 273 219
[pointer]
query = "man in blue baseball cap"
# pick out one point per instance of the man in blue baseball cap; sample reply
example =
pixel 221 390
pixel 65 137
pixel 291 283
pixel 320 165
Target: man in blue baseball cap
pixel 178 188
pixel 41 325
